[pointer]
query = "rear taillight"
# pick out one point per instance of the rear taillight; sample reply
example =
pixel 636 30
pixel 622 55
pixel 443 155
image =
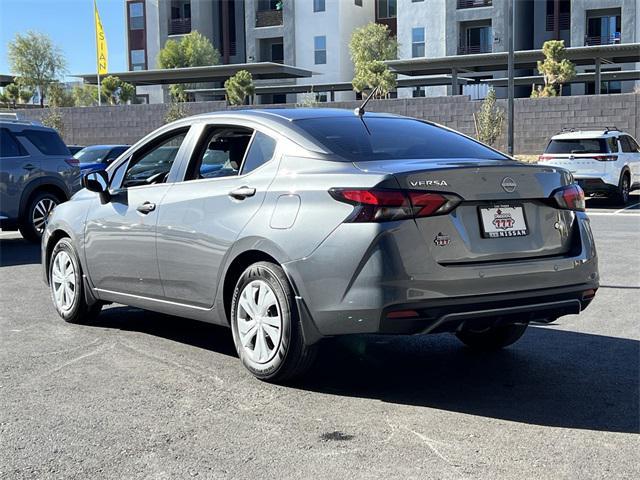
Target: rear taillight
pixel 382 205
pixel 544 158
pixel 74 162
pixel 570 197
pixel 605 158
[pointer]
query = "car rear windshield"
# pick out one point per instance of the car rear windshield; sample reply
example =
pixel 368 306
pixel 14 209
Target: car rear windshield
pixel 48 142
pixel 578 145
pixel 379 138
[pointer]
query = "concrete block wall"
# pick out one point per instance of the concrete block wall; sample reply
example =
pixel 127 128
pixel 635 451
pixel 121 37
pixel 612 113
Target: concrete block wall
pixel 535 119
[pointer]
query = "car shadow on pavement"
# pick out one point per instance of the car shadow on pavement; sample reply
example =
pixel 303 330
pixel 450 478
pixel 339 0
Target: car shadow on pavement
pixel 17 251
pixel 177 329
pixel 551 377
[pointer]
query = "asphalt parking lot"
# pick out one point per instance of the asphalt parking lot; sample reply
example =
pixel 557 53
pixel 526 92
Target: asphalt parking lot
pixel 140 395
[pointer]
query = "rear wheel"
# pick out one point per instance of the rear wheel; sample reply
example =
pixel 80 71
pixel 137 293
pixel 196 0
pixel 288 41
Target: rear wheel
pixel 622 197
pixel 35 217
pixel 265 324
pixel 67 287
pixel 493 338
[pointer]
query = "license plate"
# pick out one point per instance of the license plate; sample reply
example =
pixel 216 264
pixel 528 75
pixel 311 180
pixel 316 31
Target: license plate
pixel 503 221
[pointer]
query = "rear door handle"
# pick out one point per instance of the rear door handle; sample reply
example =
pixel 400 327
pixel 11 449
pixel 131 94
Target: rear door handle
pixel 242 193
pixel 29 166
pixel 146 207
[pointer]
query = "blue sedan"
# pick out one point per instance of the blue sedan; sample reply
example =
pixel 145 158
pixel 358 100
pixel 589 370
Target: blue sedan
pixel 98 157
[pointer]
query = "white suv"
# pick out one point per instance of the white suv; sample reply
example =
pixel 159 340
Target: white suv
pixel 603 162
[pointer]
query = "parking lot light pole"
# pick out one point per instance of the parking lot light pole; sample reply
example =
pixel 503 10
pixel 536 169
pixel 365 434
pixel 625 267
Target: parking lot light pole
pixel 510 82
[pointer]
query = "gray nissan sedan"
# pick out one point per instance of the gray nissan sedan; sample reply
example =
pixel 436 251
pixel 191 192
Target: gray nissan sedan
pixel 290 226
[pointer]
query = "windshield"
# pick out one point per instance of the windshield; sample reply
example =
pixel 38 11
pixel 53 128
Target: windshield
pixel 91 155
pixel 379 138
pixel 579 145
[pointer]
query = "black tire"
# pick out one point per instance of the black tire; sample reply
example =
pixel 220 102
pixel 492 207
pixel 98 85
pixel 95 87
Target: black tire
pixel 622 196
pixel 290 358
pixel 78 311
pixel 29 230
pixel 493 338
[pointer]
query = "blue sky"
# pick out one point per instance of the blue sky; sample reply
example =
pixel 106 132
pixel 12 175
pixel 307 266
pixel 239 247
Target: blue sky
pixel 69 23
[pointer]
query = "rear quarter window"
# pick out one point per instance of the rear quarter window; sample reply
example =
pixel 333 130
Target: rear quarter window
pixel 578 145
pixel 48 142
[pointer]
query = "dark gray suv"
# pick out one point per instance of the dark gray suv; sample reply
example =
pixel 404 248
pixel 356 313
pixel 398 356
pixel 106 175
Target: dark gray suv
pixel 37 172
pixel 290 226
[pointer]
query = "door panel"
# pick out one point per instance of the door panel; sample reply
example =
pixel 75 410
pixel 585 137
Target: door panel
pixel 120 242
pixel 199 221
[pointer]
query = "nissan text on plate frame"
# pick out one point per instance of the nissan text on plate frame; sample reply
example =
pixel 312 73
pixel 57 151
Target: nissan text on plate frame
pixel 292 226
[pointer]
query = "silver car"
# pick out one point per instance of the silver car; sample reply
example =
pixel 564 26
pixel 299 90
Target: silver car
pixel 290 226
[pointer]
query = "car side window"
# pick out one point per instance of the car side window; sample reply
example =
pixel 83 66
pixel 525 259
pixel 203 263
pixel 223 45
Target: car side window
pixel 48 142
pixel 220 153
pixel 260 152
pixel 9 145
pixel 613 145
pixel 152 165
pixel 625 144
pixel 634 145
pixel 114 153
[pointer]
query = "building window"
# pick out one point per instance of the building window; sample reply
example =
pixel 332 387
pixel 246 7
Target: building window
pixel 564 19
pixel 136 16
pixel 476 39
pixel 418 92
pixel 387 8
pixel 318 6
pixel 417 42
pixel 416 1
pixel 138 60
pixel 603 30
pixel 320 50
pixel 358 3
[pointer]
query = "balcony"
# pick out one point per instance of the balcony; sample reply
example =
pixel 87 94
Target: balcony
pixel 602 40
pixel 268 18
pixel 474 3
pixel 464 49
pixel 564 22
pixel 179 26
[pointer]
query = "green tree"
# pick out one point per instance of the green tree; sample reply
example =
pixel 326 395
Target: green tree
pixel 15 93
pixel 555 69
pixel 176 111
pixel 239 87
pixel 115 91
pixel 36 61
pixel 59 96
pixel 192 50
pixel 85 95
pixel 370 46
pixel 53 118
pixel 489 120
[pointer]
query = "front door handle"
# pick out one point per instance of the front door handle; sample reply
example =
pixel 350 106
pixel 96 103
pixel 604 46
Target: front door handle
pixel 29 166
pixel 242 193
pixel 146 207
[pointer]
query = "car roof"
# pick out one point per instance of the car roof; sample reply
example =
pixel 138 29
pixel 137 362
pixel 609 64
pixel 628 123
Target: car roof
pixel 292 114
pixel 22 124
pixel 583 134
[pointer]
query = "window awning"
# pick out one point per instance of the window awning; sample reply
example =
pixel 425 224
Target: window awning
pixel 622 75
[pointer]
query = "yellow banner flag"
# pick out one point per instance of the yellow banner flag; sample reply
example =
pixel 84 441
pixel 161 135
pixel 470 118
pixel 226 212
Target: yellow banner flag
pixel 101 43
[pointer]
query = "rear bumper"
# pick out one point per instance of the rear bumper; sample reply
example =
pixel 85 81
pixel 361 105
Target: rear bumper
pixel 350 283
pixel 593 186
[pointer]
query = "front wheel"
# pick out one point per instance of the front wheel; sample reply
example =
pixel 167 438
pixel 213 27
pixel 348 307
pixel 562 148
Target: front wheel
pixel 265 324
pixel 493 338
pixel 67 287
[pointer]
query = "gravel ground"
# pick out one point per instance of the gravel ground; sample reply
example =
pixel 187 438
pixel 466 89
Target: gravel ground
pixel 140 395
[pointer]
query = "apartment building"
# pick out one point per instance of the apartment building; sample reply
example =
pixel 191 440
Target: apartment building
pixel 150 23
pixel 435 28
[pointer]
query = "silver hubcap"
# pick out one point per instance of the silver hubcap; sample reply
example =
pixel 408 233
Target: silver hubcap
pixel 63 281
pixel 41 213
pixel 259 321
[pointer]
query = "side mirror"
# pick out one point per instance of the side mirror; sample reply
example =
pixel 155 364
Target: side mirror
pixel 97 181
